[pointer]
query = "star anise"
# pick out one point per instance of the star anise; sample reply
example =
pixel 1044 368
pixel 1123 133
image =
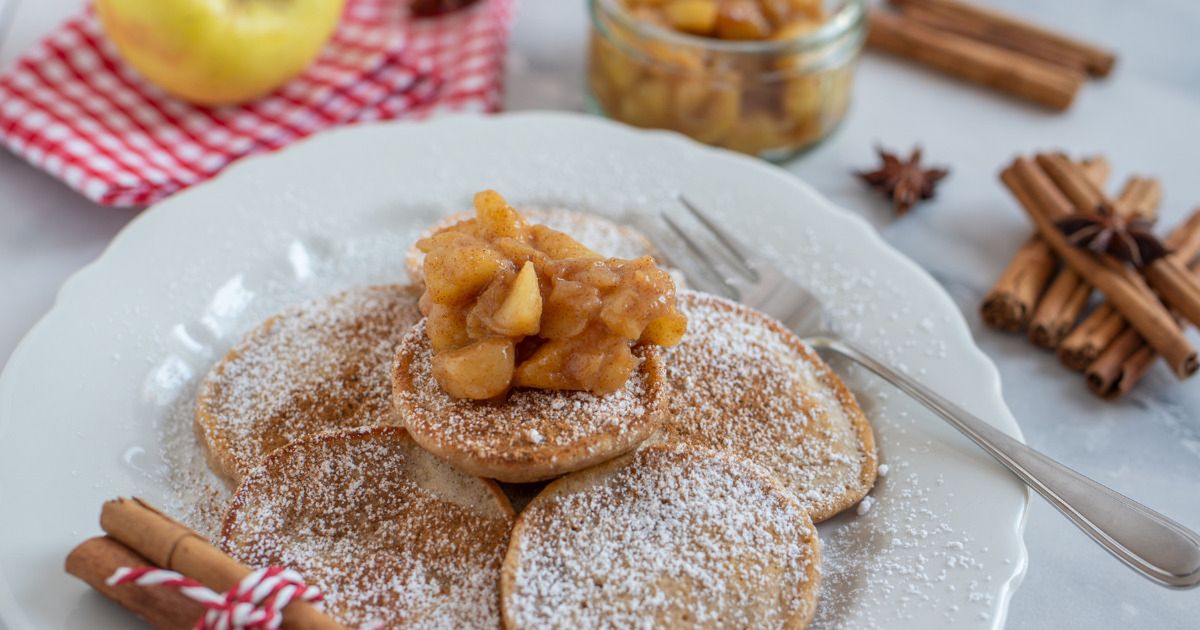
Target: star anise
pixel 1106 232
pixel 905 182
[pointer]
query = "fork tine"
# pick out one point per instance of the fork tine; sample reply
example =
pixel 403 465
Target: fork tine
pixel 713 267
pixel 739 252
pixel 694 278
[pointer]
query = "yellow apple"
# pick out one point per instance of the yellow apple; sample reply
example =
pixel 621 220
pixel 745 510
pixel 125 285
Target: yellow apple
pixel 215 52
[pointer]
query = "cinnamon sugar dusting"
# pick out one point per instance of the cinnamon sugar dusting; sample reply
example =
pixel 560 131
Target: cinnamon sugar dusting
pixel 324 364
pixel 392 535
pixel 660 538
pixel 739 384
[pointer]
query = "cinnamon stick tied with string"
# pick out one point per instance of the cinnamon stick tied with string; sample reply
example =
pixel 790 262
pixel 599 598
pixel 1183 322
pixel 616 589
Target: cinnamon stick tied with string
pixel 139 535
pixel 95 559
pixel 1063 303
pixel 1011 33
pixel 1012 301
pixel 1045 203
pixel 979 62
pixel 1101 328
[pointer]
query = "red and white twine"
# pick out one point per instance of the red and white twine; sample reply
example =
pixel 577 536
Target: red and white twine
pixel 254 603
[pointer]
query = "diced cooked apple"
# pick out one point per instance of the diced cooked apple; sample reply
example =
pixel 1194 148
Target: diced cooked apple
pixel 456 274
pixel 544 370
pixel 521 312
pixel 446 327
pixel 615 370
pixel 496 218
pixel 667 330
pixel 742 19
pixel 519 251
pixel 568 309
pixel 692 16
pixel 558 245
pixel 479 371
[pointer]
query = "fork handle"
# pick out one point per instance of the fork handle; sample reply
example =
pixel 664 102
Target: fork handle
pixel 1148 542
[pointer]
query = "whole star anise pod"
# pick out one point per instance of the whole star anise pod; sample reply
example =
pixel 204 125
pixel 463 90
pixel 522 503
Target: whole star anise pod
pixel 1106 232
pixel 905 182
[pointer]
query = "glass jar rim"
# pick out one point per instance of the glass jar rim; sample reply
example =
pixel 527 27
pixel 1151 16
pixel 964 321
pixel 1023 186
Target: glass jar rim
pixel 852 14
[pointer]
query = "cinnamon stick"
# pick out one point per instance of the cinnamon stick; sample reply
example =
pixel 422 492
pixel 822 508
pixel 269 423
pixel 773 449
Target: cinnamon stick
pixel 1166 275
pixel 1045 203
pixel 1178 288
pixel 1010 303
pixel 1127 360
pixel 1120 366
pixel 1010 32
pixel 1095 333
pixel 1103 325
pixel 1010 72
pixel 95 559
pixel 1068 294
pixel 168 544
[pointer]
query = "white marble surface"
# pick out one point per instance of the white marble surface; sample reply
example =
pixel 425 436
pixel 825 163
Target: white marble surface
pixel 1146 116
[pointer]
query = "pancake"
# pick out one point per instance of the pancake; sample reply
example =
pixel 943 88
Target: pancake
pixel 321 365
pixel 740 382
pixel 533 434
pixel 597 233
pixel 389 533
pixel 662 537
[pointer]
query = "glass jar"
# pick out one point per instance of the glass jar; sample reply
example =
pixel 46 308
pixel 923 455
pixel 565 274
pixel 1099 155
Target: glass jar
pixel 769 98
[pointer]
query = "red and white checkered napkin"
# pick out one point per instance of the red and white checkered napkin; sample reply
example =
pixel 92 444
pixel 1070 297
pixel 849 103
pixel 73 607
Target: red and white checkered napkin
pixel 71 107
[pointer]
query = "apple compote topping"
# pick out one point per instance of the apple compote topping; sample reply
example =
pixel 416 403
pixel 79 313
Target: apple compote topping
pixel 509 304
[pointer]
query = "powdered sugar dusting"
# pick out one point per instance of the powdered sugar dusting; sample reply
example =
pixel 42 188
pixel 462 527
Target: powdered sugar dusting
pixel 664 538
pixel 901 550
pixel 740 385
pixel 871 561
pixel 392 535
pixel 323 364
pixel 195 496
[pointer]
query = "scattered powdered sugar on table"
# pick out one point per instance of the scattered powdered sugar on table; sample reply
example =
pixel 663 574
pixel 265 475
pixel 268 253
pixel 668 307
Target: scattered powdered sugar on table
pixel 664 538
pixel 391 535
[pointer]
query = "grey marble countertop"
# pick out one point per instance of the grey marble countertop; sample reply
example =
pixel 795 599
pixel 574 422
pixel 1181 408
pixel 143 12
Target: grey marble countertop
pixel 1146 117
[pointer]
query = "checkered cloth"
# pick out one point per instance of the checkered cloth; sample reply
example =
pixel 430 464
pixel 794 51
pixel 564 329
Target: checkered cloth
pixel 71 107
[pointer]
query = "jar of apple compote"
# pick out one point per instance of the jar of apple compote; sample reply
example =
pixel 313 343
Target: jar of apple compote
pixel 764 77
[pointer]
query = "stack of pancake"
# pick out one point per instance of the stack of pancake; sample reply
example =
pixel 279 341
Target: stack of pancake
pixel 687 498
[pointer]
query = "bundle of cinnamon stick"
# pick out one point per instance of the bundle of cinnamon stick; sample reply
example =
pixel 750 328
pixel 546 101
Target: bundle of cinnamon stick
pixel 1048 285
pixel 139 535
pixel 989 48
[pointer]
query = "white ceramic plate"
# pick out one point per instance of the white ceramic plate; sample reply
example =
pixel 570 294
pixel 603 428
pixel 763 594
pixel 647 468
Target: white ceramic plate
pixel 86 400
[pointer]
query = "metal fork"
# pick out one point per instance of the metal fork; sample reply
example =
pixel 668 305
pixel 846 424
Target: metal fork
pixel 1152 544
